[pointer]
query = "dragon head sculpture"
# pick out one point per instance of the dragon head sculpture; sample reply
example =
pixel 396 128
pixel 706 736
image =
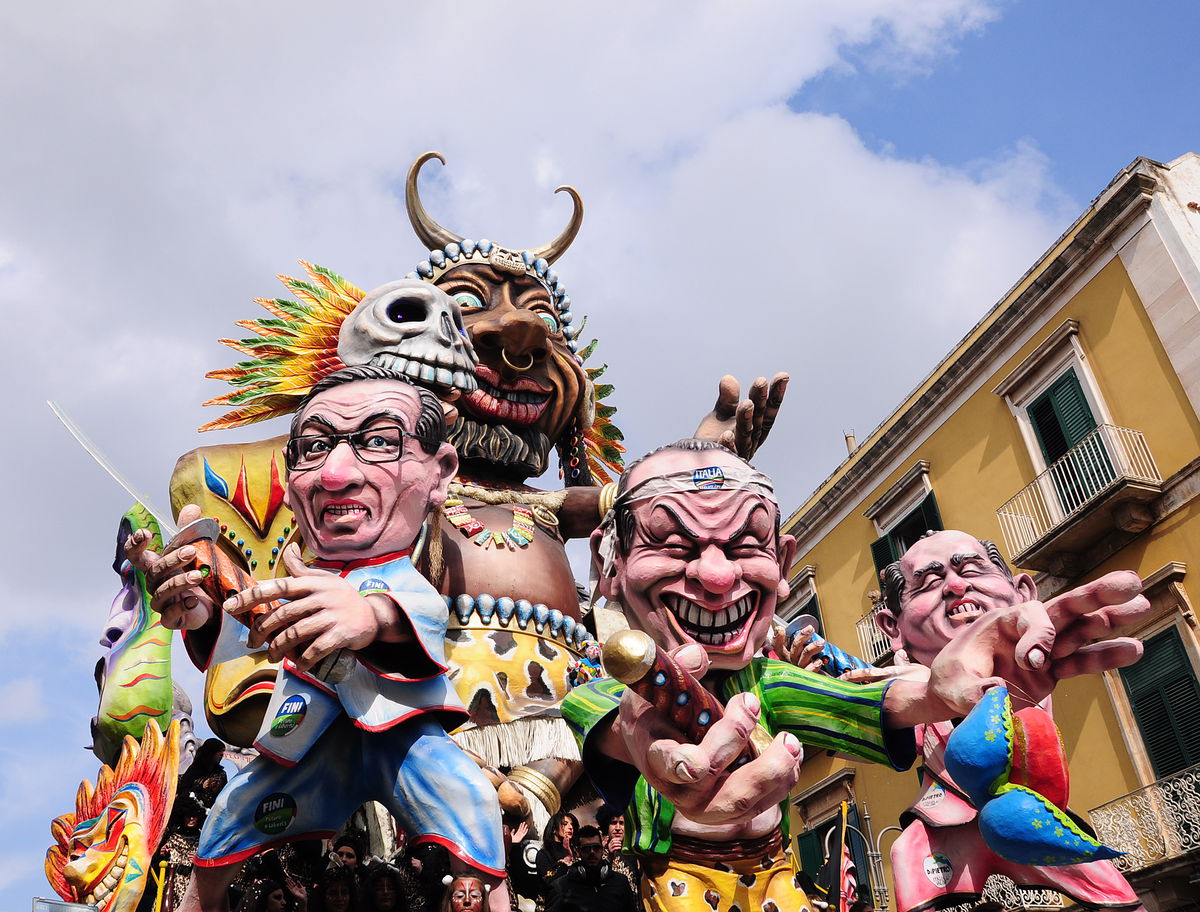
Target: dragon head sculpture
pixel 102 851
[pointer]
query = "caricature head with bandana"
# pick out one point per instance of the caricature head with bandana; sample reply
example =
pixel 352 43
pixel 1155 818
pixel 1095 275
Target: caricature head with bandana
pixel 692 551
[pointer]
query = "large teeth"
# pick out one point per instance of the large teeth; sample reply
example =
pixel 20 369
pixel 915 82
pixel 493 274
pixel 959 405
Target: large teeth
pixel 708 626
pixel 521 396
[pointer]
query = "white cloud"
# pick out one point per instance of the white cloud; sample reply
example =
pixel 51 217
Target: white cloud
pixel 23 699
pixel 165 160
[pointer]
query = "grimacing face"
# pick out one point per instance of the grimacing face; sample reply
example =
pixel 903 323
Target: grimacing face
pixel 511 322
pixel 949 583
pixel 704 567
pixel 349 509
pixel 109 854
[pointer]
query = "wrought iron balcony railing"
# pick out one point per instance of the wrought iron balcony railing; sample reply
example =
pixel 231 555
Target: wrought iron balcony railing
pixel 874 644
pixel 1102 459
pixel 1157 823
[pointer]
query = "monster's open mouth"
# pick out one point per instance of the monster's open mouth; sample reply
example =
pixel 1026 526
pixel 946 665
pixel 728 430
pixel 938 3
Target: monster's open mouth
pixel 707 626
pixel 520 401
pixel 109 879
pixel 425 372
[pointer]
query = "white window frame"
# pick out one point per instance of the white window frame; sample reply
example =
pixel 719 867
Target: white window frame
pixel 1061 351
pixel 898 501
pixel 1170 608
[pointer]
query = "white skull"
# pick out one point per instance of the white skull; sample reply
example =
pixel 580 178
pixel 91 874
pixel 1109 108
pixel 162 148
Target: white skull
pixel 412 327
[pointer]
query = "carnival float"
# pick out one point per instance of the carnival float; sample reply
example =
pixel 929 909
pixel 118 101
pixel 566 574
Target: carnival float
pixel 396 621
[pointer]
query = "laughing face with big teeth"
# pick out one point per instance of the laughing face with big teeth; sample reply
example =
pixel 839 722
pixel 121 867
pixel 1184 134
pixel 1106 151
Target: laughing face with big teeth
pixel 943 584
pixel 703 566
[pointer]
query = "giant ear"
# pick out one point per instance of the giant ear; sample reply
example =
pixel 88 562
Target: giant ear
pixel 787 551
pixel 890 625
pixel 1026 587
pixel 444 465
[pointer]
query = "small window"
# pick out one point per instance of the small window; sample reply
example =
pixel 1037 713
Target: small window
pixel 1063 424
pixel 925 517
pixel 1061 417
pixel 1165 698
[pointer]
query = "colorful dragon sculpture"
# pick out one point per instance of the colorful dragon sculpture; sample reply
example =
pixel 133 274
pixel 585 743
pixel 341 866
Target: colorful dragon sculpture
pixel 101 853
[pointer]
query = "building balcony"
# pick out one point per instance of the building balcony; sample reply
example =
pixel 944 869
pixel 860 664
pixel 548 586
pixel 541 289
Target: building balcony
pixel 1155 825
pixel 1101 486
pixel 874 645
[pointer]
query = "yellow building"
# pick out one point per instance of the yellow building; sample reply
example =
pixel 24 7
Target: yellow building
pixel 1066 427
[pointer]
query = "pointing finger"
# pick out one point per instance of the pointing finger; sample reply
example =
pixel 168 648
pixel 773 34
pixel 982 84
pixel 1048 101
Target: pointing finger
pixel 1099 657
pixel 1111 589
pixel 285 587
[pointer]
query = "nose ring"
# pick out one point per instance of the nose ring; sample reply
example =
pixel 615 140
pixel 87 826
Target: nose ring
pixel 504 358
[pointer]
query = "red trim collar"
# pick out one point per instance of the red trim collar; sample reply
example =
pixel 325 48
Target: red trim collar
pixel 345 567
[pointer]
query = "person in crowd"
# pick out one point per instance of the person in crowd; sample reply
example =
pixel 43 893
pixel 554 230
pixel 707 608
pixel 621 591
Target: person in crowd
pixel 590 884
pixel 337 891
pixel 612 827
pixel 386 888
pixel 273 896
pixel 558 845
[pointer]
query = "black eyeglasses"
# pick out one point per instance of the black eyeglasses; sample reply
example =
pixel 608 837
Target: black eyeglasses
pixel 306 452
pixel 591 847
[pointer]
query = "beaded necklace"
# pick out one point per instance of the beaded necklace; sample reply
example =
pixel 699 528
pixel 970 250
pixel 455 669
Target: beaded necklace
pixel 518 535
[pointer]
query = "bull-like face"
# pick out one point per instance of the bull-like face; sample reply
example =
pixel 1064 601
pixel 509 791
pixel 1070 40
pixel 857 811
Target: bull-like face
pixel 530 387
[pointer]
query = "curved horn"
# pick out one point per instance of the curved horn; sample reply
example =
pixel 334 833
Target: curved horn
pixel 430 233
pixel 559 245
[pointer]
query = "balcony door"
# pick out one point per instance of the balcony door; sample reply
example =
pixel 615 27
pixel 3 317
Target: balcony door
pixel 1064 425
pixel 1165 697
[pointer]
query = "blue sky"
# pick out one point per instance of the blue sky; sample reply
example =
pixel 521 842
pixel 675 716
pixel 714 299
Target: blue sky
pixel 768 186
pixel 1091 83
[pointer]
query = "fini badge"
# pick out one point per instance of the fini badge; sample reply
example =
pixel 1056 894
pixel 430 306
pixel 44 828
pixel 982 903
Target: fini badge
pixel 275 813
pixel 290 715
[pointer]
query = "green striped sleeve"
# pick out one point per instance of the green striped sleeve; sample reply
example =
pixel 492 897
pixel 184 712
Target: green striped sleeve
pixel 586 708
pixel 648 821
pixel 824 712
pixel 588 705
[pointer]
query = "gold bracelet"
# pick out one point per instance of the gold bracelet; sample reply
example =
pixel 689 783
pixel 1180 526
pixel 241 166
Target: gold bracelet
pixel 608 496
pixel 539 786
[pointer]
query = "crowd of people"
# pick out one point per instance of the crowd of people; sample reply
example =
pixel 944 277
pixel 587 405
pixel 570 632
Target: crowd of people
pixel 571 867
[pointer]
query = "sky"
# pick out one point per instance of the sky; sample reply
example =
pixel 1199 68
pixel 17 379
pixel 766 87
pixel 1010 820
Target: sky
pixel 838 190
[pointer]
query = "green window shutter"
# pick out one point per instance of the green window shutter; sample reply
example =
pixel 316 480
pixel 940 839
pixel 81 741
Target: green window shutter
pixel 1165 697
pixel 811 607
pixel 812 854
pixel 858 852
pixel 931 517
pixel 1061 417
pixel 883 552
